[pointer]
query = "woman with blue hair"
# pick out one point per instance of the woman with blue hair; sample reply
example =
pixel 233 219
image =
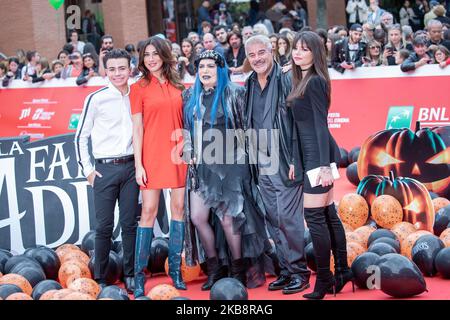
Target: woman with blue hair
pixel 219 179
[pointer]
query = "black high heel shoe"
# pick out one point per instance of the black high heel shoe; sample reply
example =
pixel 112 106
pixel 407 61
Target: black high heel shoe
pixel 321 288
pixel 342 278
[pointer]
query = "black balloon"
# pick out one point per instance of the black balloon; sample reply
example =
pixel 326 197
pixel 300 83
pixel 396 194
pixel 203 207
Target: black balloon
pixel 310 257
pixel 228 289
pixel 355 156
pixel 20 259
pixel 424 253
pixel 392 242
pixel 352 174
pixel 159 252
pixel 44 286
pixel 441 220
pixel 361 268
pixel 381 248
pixel 351 154
pixel 400 277
pixel 380 233
pixel 113 292
pixel 343 161
pixel 113 270
pixel 34 275
pixel 442 263
pixel 4 257
pixel 49 261
pixel 88 242
pixel 8 289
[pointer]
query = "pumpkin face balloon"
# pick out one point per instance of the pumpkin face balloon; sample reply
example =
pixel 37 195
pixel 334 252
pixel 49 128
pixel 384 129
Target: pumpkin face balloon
pixel 413 196
pixel 422 155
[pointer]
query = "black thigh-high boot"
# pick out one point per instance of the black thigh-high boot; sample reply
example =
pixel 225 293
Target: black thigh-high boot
pixel 315 218
pixel 343 274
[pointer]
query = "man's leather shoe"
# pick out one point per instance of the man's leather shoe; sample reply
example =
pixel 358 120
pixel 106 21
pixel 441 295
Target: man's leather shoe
pixel 280 283
pixel 296 285
pixel 129 284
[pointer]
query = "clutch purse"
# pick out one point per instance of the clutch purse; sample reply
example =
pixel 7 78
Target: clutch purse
pixel 312 175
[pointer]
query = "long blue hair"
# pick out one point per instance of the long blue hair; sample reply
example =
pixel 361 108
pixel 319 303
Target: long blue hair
pixel 193 106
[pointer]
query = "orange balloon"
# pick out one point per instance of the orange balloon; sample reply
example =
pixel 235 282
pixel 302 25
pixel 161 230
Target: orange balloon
pixel 354 237
pixel 48 295
pixel 353 210
pixel 75 255
pixel 354 249
pixel 61 294
pixel 68 246
pixel 163 292
pixel 386 211
pixel 445 237
pixel 440 203
pixel 85 285
pixel 364 233
pixel 77 296
pixel 72 268
pixel 402 230
pixel 19 296
pixel 187 273
pixel 19 281
pixel 408 244
pixel 347 227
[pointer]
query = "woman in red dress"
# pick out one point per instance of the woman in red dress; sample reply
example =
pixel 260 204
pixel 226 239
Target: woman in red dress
pixel 156 106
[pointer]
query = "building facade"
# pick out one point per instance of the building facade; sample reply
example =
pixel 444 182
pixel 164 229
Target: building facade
pixel 37 25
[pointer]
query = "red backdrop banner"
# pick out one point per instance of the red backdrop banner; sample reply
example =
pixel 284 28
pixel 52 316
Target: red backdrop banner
pixel 363 102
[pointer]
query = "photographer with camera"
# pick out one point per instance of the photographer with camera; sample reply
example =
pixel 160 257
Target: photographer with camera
pixel 107 46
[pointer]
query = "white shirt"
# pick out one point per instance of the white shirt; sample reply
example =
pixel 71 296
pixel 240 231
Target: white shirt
pixel 80 46
pixel 106 119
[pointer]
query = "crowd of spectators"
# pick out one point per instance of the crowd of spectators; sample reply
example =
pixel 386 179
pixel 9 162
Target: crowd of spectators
pixel 417 36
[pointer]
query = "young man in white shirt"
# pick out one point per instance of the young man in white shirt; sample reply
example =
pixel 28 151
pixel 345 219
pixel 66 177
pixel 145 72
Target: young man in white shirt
pixel 106 120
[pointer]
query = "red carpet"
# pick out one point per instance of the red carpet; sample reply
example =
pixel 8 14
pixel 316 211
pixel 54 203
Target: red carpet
pixel 438 288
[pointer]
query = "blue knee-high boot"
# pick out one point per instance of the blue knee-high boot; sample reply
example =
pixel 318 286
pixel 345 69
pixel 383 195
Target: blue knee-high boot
pixel 142 252
pixel 176 240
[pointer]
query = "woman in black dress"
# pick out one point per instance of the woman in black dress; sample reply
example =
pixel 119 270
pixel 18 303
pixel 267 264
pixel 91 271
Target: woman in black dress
pixel 221 197
pixel 310 101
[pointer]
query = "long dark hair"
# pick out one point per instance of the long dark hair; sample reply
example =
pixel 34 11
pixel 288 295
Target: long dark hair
pixel 314 43
pixel 169 63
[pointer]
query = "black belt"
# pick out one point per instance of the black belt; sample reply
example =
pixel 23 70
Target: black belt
pixel 121 160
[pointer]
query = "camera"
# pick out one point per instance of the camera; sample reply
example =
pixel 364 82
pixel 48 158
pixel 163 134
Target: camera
pixel 73 57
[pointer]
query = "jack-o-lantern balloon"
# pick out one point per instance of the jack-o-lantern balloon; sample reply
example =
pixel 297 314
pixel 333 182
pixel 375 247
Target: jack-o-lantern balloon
pixel 412 195
pixel 422 155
